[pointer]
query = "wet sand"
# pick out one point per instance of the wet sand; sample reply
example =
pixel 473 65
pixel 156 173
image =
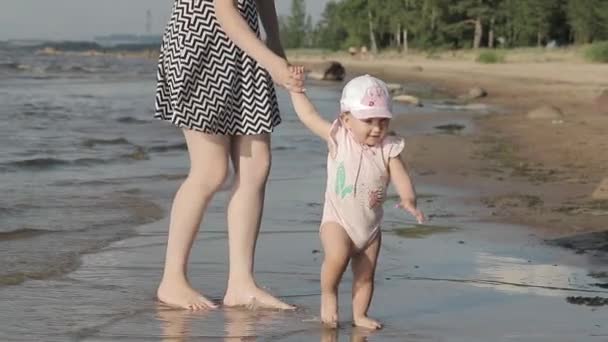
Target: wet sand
pixel 476 281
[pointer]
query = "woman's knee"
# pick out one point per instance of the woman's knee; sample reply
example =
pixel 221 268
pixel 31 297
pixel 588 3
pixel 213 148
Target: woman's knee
pixel 258 174
pixel 209 180
pixel 255 172
pixel 252 159
pixel 208 160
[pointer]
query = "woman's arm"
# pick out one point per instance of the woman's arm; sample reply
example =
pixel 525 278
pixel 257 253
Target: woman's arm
pixel 240 33
pixel 268 15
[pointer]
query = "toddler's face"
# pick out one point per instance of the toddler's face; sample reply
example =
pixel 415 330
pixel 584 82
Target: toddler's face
pixel 368 131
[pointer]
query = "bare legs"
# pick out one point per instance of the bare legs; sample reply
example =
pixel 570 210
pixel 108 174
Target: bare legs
pixel 189 204
pixel 339 250
pixel 209 166
pixel 251 160
pixel 364 268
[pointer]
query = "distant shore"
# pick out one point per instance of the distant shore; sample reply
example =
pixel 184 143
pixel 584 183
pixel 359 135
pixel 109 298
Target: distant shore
pixel 140 53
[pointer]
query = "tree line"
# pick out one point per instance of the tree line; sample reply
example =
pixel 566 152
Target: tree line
pixel 425 24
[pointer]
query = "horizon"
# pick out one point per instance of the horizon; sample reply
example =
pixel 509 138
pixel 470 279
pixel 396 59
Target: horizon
pixel 83 20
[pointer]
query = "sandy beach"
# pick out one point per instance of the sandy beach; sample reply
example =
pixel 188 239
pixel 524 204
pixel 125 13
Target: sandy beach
pixel 539 172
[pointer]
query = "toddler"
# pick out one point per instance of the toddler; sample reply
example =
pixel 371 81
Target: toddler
pixel 362 159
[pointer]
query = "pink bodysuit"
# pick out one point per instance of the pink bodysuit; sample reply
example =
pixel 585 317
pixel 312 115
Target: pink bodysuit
pixel 357 179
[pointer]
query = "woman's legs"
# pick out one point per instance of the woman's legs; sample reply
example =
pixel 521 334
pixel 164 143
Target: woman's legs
pixel 251 159
pixel 208 170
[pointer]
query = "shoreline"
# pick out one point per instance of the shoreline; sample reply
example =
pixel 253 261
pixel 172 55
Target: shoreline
pixel 540 173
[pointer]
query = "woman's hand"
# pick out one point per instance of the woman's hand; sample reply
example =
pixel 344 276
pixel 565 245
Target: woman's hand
pixel 282 74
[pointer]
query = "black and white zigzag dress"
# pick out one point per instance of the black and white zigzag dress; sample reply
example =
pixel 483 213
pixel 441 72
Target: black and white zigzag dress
pixel 205 82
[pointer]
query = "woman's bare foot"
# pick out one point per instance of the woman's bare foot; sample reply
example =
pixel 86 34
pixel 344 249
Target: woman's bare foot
pixel 180 294
pixel 366 322
pixel 329 310
pixel 254 296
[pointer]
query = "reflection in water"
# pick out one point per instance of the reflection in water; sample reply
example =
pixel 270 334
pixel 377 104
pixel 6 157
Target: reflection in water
pixel 176 322
pixel 520 276
pixel 243 324
pixel 329 335
pixel 356 335
pixel 240 324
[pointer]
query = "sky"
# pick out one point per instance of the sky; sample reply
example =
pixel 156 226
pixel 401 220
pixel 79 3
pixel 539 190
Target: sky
pixel 85 19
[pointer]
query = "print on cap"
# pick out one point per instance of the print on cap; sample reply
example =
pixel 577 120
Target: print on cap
pixel 374 96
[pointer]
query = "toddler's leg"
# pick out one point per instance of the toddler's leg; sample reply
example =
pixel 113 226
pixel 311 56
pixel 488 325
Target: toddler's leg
pixel 364 267
pixel 186 214
pixel 337 248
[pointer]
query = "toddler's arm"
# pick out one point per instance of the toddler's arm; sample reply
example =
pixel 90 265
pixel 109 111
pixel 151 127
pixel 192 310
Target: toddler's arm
pixel 307 113
pixel 403 184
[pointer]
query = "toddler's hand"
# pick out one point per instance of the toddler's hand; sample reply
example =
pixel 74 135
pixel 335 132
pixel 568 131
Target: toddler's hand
pixel 281 74
pixel 410 206
pixel 297 72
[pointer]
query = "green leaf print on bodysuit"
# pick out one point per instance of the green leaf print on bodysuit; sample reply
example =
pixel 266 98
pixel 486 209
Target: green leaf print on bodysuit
pixel 341 189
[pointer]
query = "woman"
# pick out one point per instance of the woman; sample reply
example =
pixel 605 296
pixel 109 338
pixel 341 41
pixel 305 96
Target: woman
pixel 215 82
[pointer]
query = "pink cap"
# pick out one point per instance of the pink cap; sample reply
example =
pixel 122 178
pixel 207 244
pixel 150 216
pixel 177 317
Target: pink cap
pixel 366 97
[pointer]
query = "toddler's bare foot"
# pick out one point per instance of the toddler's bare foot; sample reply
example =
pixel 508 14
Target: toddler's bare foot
pixel 179 293
pixel 255 297
pixel 366 322
pixel 329 310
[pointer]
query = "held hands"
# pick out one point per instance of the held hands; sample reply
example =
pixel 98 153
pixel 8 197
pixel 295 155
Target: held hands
pixel 297 72
pixel 410 206
pixel 288 76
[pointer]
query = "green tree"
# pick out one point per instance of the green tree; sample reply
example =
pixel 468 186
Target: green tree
pixel 530 21
pixel 330 32
pixel 308 28
pixel 425 22
pixel 294 26
pixel 458 23
pixel 355 20
pixel 587 19
pixel 542 13
pixel 476 13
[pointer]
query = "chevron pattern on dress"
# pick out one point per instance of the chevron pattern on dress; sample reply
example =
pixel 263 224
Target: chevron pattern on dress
pixel 205 82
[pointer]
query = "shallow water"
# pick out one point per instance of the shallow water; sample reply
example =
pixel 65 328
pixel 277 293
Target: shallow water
pixel 88 178
pixel 66 139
